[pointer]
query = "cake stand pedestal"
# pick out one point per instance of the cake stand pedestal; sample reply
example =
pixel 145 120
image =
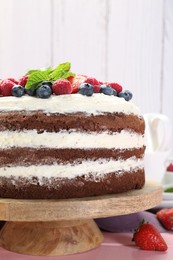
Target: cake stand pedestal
pixel 61 227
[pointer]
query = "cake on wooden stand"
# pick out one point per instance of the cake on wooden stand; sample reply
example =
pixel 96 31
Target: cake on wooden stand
pixel 66 142
pixel 61 227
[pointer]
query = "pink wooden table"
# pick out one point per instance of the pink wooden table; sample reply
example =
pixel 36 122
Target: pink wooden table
pixel 116 246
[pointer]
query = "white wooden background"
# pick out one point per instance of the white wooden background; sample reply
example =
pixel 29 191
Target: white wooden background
pixel 127 41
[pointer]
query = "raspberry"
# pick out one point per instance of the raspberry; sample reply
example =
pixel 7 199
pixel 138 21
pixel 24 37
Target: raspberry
pixel 77 81
pixel 97 88
pixel 115 86
pixel 61 87
pixel 6 87
pixel 91 81
pixel 23 80
pixel 13 80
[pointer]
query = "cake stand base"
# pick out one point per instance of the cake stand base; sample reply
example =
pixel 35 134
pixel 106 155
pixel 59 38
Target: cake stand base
pixel 50 238
pixel 66 226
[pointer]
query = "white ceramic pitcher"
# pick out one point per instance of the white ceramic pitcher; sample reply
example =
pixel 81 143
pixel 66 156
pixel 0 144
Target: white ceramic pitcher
pixel 158 134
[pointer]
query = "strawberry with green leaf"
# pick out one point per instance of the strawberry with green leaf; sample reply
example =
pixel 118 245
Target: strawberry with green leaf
pixel 147 237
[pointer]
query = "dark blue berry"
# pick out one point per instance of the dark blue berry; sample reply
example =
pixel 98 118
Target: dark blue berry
pixel 44 91
pixel 126 94
pixel 18 91
pixel 49 83
pixel 107 90
pixel 86 89
pixel 30 92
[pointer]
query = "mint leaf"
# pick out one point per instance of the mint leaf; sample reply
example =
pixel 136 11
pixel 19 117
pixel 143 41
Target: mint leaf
pixel 36 78
pixel 29 72
pixel 49 74
pixel 64 66
pixel 61 71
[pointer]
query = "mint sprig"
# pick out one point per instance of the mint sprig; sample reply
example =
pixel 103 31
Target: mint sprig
pixel 38 76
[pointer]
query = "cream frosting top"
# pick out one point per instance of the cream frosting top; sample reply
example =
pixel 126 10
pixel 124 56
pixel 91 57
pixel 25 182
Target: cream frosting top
pixel 95 104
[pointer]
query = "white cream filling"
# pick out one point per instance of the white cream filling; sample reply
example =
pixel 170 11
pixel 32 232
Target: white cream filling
pixel 96 104
pixel 97 168
pixel 64 139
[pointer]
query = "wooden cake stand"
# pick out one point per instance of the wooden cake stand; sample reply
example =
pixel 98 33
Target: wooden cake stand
pixel 61 227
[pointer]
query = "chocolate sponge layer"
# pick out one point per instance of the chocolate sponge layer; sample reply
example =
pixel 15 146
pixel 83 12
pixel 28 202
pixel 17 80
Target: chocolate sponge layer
pixel 18 121
pixel 31 156
pixel 70 188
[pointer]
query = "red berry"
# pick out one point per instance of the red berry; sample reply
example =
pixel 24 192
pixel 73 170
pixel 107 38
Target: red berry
pixel 165 216
pixel 13 80
pixel 115 86
pixel 23 80
pixel 170 168
pixel 6 87
pixel 77 81
pixel 147 237
pixel 96 88
pixel 70 79
pixel 92 81
pixel 61 87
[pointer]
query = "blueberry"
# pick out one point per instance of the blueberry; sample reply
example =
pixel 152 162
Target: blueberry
pixel 86 89
pixel 49 83
pixel 30 92
pixel 44 91
pixel 107 90
pixel 18 91
pixel 126 94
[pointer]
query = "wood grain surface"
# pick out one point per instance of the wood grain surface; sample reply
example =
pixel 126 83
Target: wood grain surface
pixel 50 238
pixel 83 208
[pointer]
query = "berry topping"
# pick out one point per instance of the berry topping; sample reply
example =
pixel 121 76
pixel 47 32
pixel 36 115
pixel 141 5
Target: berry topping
pixel 107 90
pixel 61 87
pixel 147 237
pixel 165 216
pixel 77 81
pixel 115 86
pixel 43 91
pixel 86 89
pixel 126 94
pixel 18 91
pixel 23 80
pixel 59 81
pixel 6 86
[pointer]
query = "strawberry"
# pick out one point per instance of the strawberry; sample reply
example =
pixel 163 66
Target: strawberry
pixel 115 86
pixel 147 237
pixel 23 80
pixel 165 216
pixel 70 79
pixel 61 87
pixel 77 81
pixel 6 87
pixel 170 168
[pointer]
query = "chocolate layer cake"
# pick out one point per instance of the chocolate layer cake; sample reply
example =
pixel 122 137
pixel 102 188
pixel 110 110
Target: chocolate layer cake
pixel 69 146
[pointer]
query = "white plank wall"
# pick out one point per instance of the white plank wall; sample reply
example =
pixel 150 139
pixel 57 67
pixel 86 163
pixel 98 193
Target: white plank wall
pixel 128 41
